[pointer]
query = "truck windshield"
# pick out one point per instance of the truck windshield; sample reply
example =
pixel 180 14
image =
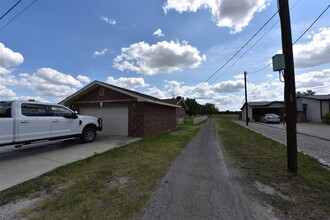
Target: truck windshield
pixel 5 109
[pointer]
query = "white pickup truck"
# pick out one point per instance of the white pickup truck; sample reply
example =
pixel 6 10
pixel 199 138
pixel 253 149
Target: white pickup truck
pixel 24 122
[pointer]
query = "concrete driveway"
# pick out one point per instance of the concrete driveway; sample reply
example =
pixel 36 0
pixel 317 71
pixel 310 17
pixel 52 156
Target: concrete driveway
pixel 21 164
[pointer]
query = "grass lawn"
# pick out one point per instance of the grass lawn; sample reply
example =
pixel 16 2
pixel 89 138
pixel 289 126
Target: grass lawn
pixel 117 184
pixel 257 158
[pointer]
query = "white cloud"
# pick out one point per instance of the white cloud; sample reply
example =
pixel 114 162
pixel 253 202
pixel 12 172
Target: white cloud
pixel 229 86
pixel 204 90
pixel 4 71
pixel 155 92
pixel 239 76
pixel 269 76
pixel 8 59
pixel 158 33
pixel 9 80
pixel 318 81
pixel 108 20
pixel 225 13
pixel 314 53
pixel 6 93
pixel 175 88
pixel 264 92
pixel 50 82
pixel 100 52
pixel 36 98
pixel 163 57
pixel 127 83
pixel 84 79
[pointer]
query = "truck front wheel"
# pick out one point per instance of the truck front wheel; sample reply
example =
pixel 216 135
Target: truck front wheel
pixel 88 135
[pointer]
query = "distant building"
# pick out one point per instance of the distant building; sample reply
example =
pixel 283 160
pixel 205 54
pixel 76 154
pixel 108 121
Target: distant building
pixel 257 109
pixel 313 107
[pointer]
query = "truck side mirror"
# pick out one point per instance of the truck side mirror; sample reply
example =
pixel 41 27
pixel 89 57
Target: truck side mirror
pixel 75 115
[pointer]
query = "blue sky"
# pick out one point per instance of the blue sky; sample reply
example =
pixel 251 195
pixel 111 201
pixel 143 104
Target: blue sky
pixel 162 48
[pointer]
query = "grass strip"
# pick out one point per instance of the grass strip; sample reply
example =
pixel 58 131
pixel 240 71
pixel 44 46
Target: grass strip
pixel 116 184
pixel 302 196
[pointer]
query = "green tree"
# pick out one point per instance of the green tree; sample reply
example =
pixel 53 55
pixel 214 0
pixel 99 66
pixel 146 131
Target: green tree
pixel 308 92
pixel 194 108
pixel 209 109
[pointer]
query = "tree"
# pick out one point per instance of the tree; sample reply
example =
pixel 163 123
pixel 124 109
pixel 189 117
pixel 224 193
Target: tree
pixel 308 92
pixel 209 109
pixel 193 106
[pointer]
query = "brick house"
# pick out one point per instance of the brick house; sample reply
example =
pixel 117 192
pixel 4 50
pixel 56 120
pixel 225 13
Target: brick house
pixel 124 112
pixel 179 112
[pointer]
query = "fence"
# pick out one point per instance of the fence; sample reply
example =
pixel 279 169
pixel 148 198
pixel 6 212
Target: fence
pixel 199 119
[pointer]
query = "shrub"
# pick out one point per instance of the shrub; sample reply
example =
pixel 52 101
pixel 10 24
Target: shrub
pixel 326 118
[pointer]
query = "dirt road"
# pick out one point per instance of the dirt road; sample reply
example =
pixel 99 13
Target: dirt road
pixel 199 186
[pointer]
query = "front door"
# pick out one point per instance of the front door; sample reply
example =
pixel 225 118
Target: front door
pixel 62 123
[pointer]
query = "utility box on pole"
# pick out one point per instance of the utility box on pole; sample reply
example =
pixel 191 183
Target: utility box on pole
pixel 278 62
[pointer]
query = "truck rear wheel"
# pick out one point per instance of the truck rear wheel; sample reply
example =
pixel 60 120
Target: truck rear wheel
pixel 88 135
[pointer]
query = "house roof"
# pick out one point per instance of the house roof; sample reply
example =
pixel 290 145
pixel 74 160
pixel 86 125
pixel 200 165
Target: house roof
pixel 177 101
pixel 261 103
pixel 316 97
pixel 139 96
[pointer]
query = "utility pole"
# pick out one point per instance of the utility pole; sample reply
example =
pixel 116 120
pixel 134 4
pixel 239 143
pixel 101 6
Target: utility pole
pixel 289 86
pixel 246 103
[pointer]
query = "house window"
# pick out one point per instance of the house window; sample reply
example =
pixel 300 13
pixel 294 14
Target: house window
pixel 101 91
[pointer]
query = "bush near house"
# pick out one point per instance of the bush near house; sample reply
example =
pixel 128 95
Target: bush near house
pixel 326 118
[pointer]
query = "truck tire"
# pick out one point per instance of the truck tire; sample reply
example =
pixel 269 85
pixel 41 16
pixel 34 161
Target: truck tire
pixel 88 135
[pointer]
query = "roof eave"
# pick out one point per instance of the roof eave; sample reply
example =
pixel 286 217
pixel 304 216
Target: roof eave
pixel 95 83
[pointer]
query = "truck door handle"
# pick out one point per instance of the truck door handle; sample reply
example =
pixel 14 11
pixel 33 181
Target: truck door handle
pixel 24 122
pixel 56 120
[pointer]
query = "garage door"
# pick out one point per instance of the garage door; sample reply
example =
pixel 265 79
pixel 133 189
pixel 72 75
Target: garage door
pixel 115 120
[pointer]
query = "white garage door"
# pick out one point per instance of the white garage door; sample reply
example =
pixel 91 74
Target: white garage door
pixel 115 120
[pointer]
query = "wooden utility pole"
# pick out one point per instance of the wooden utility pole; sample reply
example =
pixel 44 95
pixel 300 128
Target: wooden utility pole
pixel 246 103
pixel 289 86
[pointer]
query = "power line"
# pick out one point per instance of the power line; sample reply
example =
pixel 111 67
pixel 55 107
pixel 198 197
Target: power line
pixel 257 71
pixel 18 14
pixel 311 24
pixel 241 50
pixel 253 46
pixel 247 51
pixel 232 57
pixel 10 9
pixel 298 37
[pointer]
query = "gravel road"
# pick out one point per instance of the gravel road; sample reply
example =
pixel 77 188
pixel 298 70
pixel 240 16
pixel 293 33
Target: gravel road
pixel 199 186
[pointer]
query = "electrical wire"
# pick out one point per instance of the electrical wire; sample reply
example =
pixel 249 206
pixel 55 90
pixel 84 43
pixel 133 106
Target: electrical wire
pixel 18 15
pixel 311 25
pixel 298 37
pixel 247 51
pixel 244 53
pixel 232 57
pixel 254 45
pixel 10 9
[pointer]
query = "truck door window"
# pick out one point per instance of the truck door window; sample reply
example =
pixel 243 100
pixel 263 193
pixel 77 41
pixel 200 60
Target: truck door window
pixel 34 110
pixel 5 109
pixel 61 112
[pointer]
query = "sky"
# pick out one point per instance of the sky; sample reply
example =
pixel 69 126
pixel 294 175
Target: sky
pixel 163 48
